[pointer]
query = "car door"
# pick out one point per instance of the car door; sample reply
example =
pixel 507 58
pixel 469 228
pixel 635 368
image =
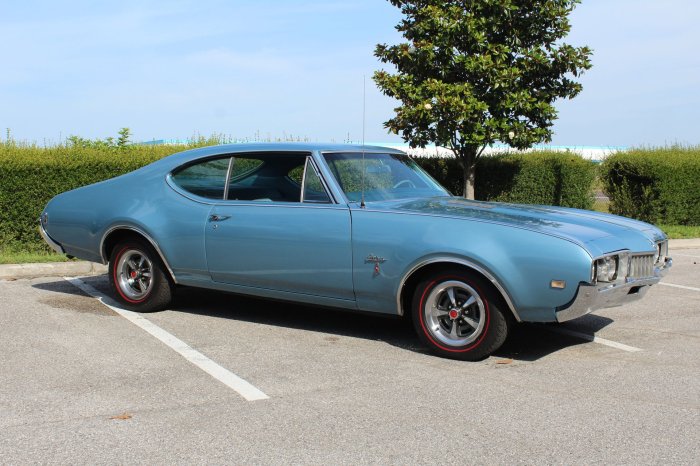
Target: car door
pixel 279 229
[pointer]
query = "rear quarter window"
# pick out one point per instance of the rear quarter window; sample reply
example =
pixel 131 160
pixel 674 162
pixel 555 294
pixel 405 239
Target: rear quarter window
pixel 206 179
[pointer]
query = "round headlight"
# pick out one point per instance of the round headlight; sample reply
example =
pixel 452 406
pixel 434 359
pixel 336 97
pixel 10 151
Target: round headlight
pixel 606 269
pixel 657 253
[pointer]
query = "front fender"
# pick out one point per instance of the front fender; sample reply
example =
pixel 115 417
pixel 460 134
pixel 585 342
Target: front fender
pixel 522 262
pixel 445 259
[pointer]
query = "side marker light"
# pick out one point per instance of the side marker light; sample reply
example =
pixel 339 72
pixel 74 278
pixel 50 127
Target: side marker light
pixel 560 284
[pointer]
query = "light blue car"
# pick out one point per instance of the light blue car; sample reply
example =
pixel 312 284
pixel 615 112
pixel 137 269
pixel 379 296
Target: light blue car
pixel 352 227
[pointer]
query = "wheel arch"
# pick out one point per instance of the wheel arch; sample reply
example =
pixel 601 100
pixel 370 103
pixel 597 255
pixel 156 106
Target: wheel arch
pixel 410 280
pixel 118 233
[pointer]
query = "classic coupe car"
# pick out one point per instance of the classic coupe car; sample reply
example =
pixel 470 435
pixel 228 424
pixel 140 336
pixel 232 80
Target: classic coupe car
pixel 352 227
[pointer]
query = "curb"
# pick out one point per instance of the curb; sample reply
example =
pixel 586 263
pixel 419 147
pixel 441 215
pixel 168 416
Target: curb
pixel 692 243
pixel 50 269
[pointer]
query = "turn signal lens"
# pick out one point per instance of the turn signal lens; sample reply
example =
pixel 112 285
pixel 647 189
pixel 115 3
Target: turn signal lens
pixel 561 284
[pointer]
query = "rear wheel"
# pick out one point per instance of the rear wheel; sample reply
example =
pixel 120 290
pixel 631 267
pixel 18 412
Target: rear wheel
pixel 459 315
pixel 138 278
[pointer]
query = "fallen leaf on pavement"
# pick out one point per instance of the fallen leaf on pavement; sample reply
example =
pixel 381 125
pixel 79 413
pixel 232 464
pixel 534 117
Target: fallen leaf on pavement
pixel 122 417
pixel 504 361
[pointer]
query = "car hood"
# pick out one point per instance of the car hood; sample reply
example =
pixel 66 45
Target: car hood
pixel 597 232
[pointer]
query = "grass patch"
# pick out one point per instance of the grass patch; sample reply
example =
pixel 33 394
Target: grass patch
pixel 26 257
pixel 681 231
pixel 601 205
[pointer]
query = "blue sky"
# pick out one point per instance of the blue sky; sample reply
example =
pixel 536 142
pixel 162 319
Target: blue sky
pixel 275 68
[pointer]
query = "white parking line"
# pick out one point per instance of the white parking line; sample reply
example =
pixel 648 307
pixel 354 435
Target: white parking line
pixel 680 286
pixel 228 378
pixel 595 339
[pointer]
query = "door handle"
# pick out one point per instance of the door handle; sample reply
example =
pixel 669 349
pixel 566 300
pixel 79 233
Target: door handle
pixel 218 218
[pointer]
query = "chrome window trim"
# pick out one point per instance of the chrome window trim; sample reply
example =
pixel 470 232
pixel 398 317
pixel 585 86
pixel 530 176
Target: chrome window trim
pixel 192 197
pixel 329 194
pixel 370 150
pixel 235 202
pixel 228 177
pixel 329 179
pixel 208 201
pixel 386 150
pixel 331 176
pixel 290 205
pixel 105 260
pixel 303 180
pixel 464 262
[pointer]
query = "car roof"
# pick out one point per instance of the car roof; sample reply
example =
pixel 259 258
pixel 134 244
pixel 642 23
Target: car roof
pixel 180 158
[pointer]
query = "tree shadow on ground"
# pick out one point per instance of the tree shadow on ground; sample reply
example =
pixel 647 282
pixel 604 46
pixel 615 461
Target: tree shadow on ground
pixel 526 342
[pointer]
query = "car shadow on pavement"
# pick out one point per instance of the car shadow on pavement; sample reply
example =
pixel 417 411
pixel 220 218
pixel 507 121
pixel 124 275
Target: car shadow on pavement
pixel 533 341
pixel 526 342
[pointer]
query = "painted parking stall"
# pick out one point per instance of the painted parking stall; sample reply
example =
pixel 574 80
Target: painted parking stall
pixel 223 375
pixel 80 382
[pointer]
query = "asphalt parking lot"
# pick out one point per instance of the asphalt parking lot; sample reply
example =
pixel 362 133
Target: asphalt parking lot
pixel 83 384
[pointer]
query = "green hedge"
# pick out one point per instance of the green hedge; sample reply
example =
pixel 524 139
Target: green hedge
pixel 655 185
pixel 547 177
pixel 30 176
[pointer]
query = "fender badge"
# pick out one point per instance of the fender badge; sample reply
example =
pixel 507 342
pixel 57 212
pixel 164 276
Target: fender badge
pixel 376 260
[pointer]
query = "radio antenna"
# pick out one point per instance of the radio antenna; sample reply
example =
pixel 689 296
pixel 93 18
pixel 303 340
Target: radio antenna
pixel 364 99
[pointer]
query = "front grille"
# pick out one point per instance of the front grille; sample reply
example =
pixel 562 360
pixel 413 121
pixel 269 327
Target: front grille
pixel 641 266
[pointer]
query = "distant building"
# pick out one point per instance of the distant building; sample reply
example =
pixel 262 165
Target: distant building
pixel 595 153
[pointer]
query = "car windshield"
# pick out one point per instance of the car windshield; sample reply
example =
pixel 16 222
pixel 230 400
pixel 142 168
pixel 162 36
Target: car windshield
pixel 386 176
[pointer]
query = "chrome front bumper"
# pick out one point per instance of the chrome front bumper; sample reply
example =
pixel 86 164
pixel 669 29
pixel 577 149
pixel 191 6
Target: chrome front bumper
pixel 601 295
pixel 54 245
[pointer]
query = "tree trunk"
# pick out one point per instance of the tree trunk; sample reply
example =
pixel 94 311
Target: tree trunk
pixel 467 157
pixel 468 182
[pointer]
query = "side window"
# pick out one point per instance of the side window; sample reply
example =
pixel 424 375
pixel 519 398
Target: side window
pixel 265 177
pixel 243 167
pixel 206 179
pixel 314 192
pixel 269 177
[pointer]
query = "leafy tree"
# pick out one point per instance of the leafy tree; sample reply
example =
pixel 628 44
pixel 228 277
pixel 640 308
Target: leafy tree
pixel 478 71
pixel 123 139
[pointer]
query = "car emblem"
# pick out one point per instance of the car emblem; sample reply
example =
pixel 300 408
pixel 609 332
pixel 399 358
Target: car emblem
pixel 376 260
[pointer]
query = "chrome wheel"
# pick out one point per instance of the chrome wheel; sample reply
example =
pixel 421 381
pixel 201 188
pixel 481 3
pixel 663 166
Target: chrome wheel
pixel 454 313
pixel 134 274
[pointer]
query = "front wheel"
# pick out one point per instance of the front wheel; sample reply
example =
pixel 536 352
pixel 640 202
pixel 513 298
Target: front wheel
pixel 459 315
pixel 138 278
